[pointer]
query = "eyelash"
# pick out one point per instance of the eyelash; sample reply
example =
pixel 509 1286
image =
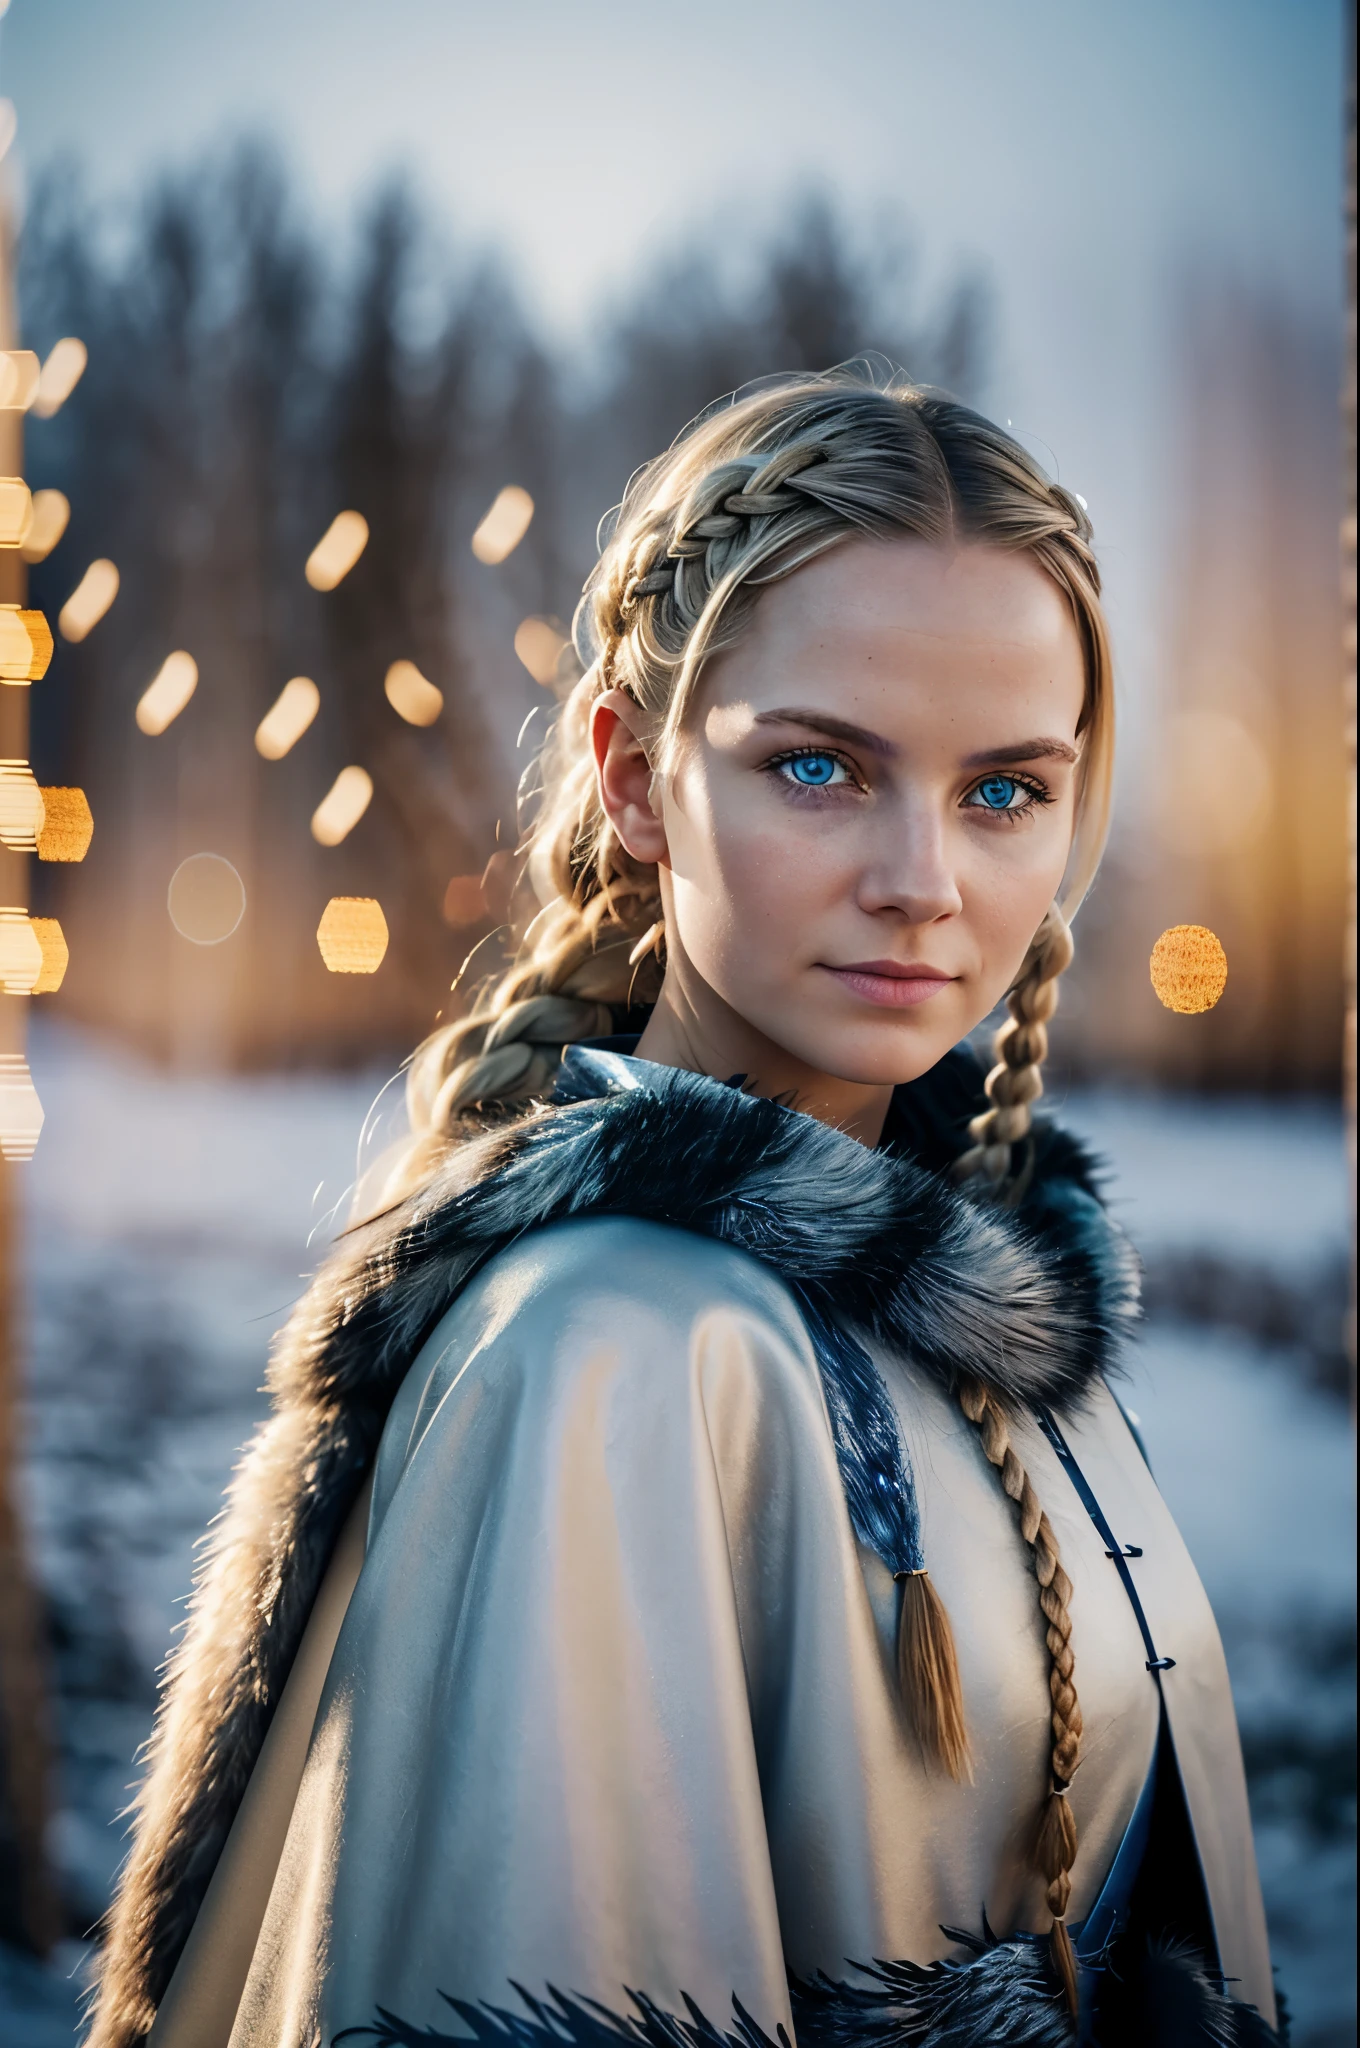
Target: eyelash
pixel 1039 793
pixel 778 761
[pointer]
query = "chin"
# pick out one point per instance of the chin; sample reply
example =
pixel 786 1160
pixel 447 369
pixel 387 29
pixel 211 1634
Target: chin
pixel 908 1064
pixel 873 1058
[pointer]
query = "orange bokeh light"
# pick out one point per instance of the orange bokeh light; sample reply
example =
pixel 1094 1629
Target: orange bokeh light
pixel 89 601
pixel 464 902
pixel 338 549
pixel 1189 969
pixel 287 718
pixel 67 827
pixel 411 695
pixel 166 695
pixel 55 955
pixel 341 808
pixel 501 529
pixel 51 511
pixel 25 645
pixel 352 935
pixel 21 1113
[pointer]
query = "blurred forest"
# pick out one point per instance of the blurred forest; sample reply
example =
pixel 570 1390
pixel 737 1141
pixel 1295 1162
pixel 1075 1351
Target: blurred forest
pixel 245 385
pixel 246 382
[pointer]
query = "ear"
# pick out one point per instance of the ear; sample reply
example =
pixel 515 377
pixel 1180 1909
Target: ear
pixel 624 777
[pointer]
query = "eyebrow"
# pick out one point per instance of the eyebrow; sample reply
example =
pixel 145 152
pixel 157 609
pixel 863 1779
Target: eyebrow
pixel 834 728
pixel 874 743
pixel 1026 750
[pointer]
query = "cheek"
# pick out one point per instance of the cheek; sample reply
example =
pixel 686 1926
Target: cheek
pixel 745 884
pixel 1011 877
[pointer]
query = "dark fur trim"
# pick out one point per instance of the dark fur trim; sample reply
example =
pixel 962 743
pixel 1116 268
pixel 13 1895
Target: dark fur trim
pixel 1172 1999
pixel 1028 1301
pixel 560 2022
pixel 873 1462
pixel 1004 1997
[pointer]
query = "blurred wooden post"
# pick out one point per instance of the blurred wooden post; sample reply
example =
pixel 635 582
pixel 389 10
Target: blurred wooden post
pixel 1348 615
pixel 29 1914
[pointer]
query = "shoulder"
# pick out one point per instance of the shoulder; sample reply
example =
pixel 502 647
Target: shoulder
pixel 653 1323
pixel 602 1264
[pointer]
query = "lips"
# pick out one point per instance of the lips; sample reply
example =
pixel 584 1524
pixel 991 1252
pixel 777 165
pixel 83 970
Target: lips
pixel 892 984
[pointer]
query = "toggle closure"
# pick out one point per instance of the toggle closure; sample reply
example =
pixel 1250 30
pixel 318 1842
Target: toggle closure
pixel 1125 1550
pixel 1161 1663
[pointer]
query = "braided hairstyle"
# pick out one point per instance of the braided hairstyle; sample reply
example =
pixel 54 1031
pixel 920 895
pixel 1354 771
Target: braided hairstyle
pixel 759 486
pixel 1055 1848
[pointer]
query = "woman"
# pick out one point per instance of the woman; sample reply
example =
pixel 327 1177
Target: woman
pixel 767 1621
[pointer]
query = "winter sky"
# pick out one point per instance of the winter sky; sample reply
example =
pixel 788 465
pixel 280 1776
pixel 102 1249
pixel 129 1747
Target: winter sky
pixel 1075 153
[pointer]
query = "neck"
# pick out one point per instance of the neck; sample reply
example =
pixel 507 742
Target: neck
pixel 699 1032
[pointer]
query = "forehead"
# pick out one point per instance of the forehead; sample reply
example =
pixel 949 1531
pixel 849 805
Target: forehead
pixel 898 626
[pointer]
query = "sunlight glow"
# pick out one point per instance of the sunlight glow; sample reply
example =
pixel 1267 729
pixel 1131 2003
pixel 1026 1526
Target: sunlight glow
pixel 338 549
pixel 352 935
pixel 89 601
pixel 25 645
pixel 67 826
pixel 501 530
pixel 20 953
pixel 59 376
pixel 16 512
pixel 169 690
pixel 51 510
pixel 21 1113
pixel 1189 969
pixel 56 957
pixel 539 644
pixel 19 374
pixel 206 899
pixel 344 803
pixel 464 902
pixel 22 809
pixel 411 696
pixel 287 718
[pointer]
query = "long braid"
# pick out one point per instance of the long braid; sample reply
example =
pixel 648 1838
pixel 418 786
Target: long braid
pixel 1055 1847
pixel 1014 1084
pixel 1021 1045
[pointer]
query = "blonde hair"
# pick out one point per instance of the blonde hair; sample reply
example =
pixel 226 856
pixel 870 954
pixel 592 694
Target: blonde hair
pixel 758 487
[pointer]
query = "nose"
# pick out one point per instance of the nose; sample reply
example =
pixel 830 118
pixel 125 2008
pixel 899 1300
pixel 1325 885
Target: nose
pixel 911 873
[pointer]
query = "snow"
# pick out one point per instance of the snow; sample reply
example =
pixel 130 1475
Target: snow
pixel 170 1222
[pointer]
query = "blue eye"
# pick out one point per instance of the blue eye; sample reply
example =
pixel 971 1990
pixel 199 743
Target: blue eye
pixel 999 792
pixel 814 771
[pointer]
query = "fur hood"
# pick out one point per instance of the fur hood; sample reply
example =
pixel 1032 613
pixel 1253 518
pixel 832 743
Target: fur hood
pixel 1029 1300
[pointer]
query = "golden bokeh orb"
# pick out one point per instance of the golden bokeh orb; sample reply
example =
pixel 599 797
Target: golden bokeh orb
pixel 1189 969
pixel 352 935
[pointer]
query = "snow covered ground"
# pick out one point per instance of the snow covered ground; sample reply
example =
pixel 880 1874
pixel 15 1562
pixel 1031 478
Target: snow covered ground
pixel 167 1232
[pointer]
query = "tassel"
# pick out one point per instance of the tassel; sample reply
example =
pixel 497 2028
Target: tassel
pixel 1065 1963
pixel 1055 1854
pixel 928 1666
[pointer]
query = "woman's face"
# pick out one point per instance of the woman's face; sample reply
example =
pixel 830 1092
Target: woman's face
pixel 868 815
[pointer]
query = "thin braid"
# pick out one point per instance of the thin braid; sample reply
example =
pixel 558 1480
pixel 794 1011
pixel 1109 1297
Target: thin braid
pixel 712 525
pixel 1055 1848
pixel 1021 1046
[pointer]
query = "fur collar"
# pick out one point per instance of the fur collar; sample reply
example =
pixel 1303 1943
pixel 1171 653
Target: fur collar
pixel 1029 1300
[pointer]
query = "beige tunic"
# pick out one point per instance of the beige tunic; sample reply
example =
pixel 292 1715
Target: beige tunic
pixel 614 1704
